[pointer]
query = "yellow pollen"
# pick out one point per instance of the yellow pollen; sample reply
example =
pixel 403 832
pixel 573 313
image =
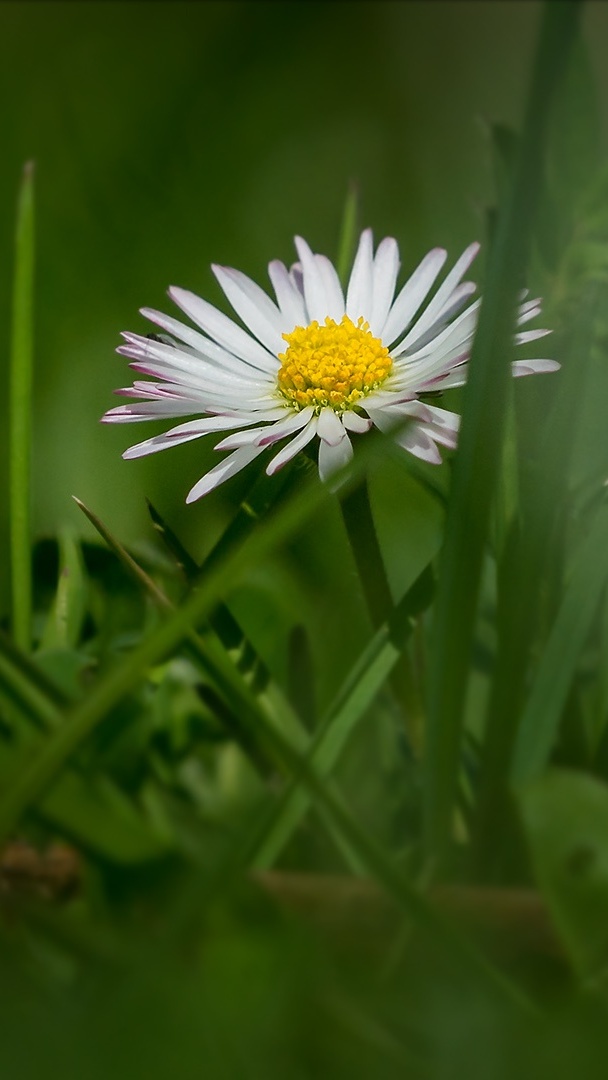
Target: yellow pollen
pixel 333 365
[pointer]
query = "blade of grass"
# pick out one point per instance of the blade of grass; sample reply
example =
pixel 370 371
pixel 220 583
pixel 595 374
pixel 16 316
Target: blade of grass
pixel 540 720
pixel 477 462
pixel 20 413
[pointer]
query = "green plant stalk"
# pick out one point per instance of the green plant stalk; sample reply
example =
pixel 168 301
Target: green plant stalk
pixel 477 462
pixel 20 414
pixel 363 539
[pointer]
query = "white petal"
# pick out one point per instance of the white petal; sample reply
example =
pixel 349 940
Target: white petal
pixel 253 306
pixel 334 457
pixel 460 329
pixel 418 443
pixel 226 469
pixel 444 427
pixel 444 418
pixel 188 369
pixel 287 426
pixel 201 345
pixel 157 409
pixel 534 367
pixel 443 296
pixel 289 298
pixel 182 434
pixel 330 428
pixel 334 297
pixel 211 399
pixel 314 288
pixel 297 277
pixel 292 448
pixel 412 294
pixel 355 422
pixel 456 377
pixel 416 340
pixel 388 413
pixel 244 437
pixel 223 330
pixel 386 269
pixel 223 422
pixel 528 311
pixel 530 335
pixel 360 293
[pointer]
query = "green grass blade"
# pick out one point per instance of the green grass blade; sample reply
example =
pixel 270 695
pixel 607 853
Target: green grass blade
pixel 477 462
pixel 541 717
pixel 20 413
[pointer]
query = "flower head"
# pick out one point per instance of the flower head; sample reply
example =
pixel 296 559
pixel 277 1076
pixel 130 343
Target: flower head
pixel 315 363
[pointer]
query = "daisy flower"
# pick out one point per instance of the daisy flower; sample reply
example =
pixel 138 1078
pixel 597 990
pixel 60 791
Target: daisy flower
pixel 314 363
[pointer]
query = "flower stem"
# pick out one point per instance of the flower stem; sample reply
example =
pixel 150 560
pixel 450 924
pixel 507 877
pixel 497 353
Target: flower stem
pixel 363 539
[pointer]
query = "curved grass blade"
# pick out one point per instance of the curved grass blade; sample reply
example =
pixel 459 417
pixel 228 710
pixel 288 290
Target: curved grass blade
pixel 20 413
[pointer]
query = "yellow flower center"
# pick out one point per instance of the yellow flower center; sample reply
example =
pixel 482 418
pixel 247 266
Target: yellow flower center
pixel 333 365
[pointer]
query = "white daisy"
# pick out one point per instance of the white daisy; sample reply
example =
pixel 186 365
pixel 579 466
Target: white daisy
pixel 315 363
